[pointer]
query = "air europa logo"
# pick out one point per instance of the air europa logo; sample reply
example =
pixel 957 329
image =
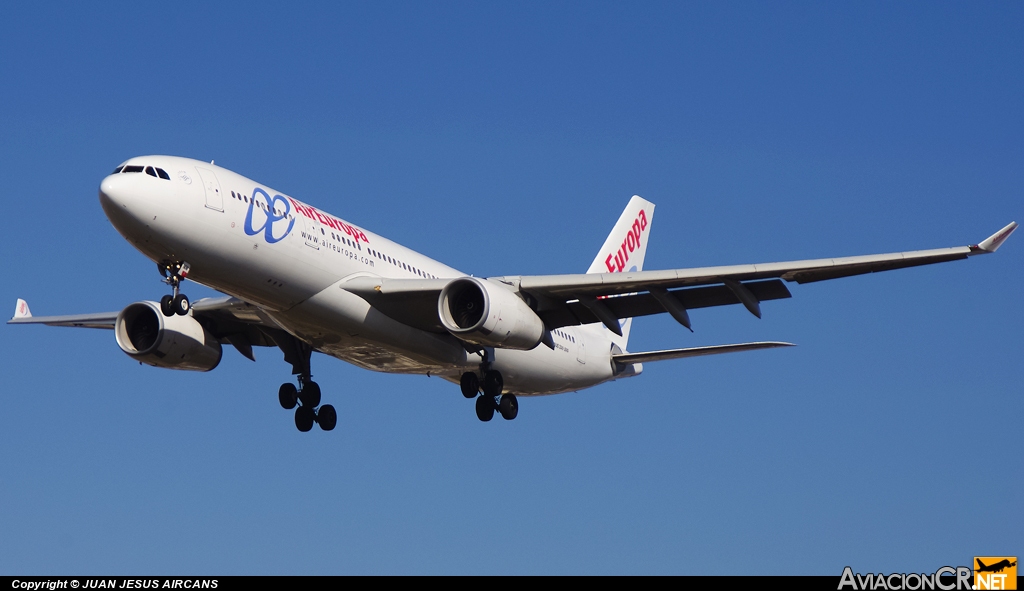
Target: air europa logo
pixel 316 215
pixel 629 244
pixel 271 217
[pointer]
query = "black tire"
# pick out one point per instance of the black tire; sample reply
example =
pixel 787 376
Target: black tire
pixel 493 383
pixel 288 396
pixel 470 384
pixel 167 305
pixel 508 407
pixel 485 408
pixel 310 395
pixel 327 417
pixel 304 417
pixel 181 304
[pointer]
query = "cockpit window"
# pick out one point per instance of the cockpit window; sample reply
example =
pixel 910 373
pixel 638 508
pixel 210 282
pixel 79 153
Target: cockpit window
pixel 150 170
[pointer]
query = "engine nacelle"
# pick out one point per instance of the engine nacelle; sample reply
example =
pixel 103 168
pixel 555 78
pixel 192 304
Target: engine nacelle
pixel 175 342
pixel 488 314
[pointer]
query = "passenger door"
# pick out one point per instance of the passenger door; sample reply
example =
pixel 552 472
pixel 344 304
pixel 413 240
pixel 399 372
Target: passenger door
pixel 214 197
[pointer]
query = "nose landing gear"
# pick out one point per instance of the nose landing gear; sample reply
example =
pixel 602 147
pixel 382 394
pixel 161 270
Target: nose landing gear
pixel 176 303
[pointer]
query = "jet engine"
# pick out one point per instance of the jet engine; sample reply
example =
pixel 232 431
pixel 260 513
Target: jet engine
pixel 174 342
pixel 488 314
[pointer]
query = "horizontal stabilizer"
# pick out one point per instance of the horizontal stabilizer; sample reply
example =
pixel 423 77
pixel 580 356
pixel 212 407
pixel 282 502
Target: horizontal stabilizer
pixel 628 358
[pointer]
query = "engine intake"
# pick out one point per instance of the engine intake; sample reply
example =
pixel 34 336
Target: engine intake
pixel 175 342
pixel 488 314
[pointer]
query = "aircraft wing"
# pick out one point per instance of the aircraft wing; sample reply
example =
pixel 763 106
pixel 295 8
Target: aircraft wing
pixel 231 320
pixel 409 301
pixel 564 300
pixel 599 284
pixel 220 309
pixel 95 320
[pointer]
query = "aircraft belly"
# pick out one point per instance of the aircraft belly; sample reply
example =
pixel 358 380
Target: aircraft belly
pixel 543 371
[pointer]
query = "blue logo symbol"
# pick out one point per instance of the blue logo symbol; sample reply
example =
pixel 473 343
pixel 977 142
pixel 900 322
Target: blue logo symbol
pixel 272 216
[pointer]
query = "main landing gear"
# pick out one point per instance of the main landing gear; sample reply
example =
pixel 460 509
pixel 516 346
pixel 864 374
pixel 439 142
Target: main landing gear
pixel 176 303
pixel 307 395
pixel 492 399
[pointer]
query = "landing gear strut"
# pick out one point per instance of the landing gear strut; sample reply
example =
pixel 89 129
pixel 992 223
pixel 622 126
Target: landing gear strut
pixel 174 274
pixel 307 394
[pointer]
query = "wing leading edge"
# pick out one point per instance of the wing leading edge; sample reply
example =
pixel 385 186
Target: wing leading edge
pixel 565 300
pixel 605 284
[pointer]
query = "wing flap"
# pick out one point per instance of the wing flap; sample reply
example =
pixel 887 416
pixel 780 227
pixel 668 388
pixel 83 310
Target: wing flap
pixel 646 304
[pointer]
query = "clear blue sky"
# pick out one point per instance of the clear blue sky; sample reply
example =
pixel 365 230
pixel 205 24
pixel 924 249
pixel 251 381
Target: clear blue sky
pixel 505 138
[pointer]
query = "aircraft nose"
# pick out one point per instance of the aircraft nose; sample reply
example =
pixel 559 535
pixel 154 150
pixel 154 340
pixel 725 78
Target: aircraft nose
pixel 111 191
pixel 120 200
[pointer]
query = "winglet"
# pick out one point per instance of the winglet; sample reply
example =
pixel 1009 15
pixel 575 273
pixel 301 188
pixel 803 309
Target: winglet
pixel 993 242
pixel 21 309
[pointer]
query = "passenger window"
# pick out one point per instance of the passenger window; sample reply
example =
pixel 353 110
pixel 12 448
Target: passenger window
pixel 163 174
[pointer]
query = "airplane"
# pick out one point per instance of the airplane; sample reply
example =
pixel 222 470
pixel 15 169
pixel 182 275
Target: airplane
pixel 995 568
pixel 302 280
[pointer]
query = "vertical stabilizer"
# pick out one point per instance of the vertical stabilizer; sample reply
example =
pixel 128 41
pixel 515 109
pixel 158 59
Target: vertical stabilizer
pixel 624 249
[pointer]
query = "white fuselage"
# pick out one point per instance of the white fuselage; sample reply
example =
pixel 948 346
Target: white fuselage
pixel 291 260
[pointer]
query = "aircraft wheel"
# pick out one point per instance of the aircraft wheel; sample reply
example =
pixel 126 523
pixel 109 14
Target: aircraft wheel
pixel 470 384
pixel 327 417
pixel 304 418
pixel 484 408
pixel 181 304
pixel 493 383
pixel 288 396
pixel 167 305
pixel 508 407
pixel 310 395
